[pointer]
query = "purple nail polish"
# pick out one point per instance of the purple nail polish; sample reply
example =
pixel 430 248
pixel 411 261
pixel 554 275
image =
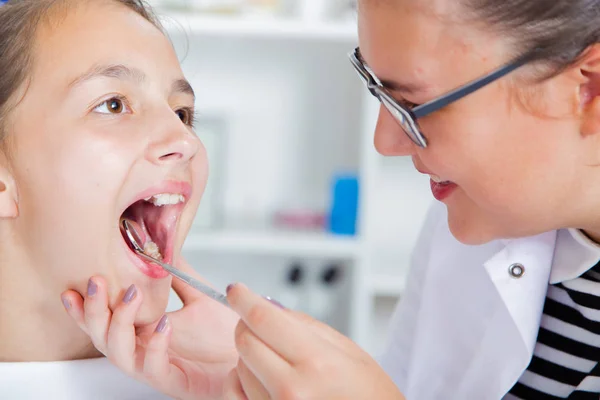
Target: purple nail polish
pixel 92 288
pixel 230 287
pixel 130 294
pixel 66 303
pixel 162 324
pixel 278 304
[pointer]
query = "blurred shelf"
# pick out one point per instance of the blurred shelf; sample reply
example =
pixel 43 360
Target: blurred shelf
pixel 259 27
pixel 282 243
pixel 387 285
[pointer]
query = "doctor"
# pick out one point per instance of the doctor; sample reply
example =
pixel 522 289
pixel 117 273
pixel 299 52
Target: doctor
pixel 503 299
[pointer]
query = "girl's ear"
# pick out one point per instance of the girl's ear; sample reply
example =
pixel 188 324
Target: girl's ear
pixel 9 204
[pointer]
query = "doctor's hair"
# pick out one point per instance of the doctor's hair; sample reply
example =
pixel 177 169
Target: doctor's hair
pixel 560 30
pixel 20 21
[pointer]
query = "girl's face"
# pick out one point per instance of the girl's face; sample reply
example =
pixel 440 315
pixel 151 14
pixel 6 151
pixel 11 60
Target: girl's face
pixel 518 152
pixel 103 125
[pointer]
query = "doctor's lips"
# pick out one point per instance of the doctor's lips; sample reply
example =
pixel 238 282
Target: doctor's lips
pixel 435 178
pixel 440 188
pixel 154 215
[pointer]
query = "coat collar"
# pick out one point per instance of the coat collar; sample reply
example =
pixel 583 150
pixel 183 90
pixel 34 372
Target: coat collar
pixel 575 253
pixel 524 297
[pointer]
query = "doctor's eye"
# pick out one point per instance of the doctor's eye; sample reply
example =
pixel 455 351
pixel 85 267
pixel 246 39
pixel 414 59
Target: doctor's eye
pixel 114 105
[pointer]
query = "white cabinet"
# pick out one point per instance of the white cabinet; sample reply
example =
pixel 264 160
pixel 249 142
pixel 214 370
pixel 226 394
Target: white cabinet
pixel 293 114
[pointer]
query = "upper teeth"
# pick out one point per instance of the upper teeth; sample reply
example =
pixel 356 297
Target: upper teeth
pixel 165 199
pixel 437 179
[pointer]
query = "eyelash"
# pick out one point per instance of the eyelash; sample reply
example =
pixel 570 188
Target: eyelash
pixel 191 116
pixel 408 104
pixel 190 121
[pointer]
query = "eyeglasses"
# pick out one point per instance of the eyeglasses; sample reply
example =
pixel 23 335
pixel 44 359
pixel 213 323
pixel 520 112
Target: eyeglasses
pixel 407 117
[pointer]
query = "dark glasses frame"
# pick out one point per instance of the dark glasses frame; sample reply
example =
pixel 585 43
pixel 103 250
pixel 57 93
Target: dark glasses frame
pixel 407 117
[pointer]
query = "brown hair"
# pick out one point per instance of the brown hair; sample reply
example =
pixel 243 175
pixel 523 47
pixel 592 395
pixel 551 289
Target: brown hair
pixel 561 30
pixel 19 22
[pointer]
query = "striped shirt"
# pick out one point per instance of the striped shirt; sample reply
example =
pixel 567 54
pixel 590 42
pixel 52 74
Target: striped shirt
pixel 566 359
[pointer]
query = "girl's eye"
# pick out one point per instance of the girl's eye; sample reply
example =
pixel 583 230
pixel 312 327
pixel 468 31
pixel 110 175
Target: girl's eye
pixel 186 115
pixel 115 105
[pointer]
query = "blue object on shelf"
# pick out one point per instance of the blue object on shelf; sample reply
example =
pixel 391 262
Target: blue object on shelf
pixel 344 207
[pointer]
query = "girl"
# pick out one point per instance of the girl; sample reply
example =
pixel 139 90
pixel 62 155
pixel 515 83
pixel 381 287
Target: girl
pixel 499 102
pixel 95 125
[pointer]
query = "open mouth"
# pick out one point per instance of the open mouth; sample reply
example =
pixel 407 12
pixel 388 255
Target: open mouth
pixel 154 220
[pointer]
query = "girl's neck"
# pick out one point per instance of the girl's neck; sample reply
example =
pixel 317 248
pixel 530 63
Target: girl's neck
pixel 34 325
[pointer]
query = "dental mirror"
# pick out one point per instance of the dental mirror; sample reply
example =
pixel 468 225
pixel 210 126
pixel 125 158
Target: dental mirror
pixel 134 241
pixel 132 235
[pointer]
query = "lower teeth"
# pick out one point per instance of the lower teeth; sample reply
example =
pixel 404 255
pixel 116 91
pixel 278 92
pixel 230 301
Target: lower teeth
pixel 151 250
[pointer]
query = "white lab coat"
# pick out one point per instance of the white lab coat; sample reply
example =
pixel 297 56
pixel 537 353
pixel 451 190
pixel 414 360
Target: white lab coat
pixel 466 327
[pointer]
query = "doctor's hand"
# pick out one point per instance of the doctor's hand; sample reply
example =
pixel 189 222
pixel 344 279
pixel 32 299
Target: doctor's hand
pixel 185 356
pixel 287 355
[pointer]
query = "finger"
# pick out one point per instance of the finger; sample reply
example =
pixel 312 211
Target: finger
pixel 157 366
pixel 268 367
pixel 186 293
pixel 253 388
pixel 284 333
pixel 97 315
pixel 325 331
pixel 232 388
pixel 73 303
pixel 121 337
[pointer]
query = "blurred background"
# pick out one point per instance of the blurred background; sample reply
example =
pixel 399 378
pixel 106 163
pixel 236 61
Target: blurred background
pixel 299 206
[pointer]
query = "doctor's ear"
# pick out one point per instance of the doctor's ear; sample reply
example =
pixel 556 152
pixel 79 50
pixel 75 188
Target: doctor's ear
pixel 8 192
pixel 588 69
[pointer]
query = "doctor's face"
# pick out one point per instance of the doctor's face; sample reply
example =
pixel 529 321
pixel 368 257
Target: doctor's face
pixel 511 150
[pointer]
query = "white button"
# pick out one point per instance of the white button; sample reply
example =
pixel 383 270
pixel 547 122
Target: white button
pixel 516 270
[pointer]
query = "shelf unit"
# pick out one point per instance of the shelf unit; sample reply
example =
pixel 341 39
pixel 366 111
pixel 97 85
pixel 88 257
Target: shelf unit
pixel 260 27
pixel 275 243
pixel 289 96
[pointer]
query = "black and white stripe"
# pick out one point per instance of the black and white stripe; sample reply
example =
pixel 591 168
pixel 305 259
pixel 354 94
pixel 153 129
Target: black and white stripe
pixel 566 360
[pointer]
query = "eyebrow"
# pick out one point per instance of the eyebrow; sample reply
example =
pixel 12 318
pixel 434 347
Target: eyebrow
pixel 392 84
pixel 123 72
pixel 400 87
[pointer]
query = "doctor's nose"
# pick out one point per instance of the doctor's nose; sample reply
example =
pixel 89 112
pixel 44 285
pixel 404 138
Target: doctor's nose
pixel 173 143
pixel 390 138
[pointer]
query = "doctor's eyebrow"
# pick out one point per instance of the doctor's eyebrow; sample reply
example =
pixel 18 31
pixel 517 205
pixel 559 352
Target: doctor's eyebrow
pixel 122 72
pixel 390 84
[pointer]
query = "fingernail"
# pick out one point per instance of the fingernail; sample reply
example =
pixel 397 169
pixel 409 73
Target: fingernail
pixel 229 288
pixel 278 304
pixel 66 303
pixel 162 324
pixel 130 294
pixel 92 288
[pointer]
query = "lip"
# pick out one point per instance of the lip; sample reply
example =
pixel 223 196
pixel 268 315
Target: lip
pixel 442 191
pixel 423 171
pixel 147 268
pixel 151 270
pixel 181 187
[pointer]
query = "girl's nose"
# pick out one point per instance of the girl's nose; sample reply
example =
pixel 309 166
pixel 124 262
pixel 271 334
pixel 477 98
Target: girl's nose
pixel 173 144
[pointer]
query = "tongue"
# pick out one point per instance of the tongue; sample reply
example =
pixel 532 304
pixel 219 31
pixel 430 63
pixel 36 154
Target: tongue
pixel 138 231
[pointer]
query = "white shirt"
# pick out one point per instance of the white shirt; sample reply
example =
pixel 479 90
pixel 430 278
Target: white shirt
pixel 94 379
pixel 466 326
